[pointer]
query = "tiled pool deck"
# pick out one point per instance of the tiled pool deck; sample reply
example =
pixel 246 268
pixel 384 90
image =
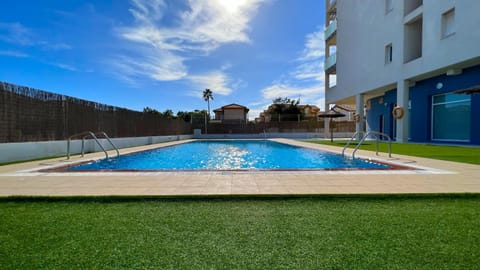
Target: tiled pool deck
pixel 432 176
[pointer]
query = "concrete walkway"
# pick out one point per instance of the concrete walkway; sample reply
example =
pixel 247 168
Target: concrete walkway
pixel 429 176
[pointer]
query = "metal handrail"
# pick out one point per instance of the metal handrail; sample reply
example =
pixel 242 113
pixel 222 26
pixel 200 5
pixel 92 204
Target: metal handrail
pixel 351 139
pixel 87 134
pixel 109 140
pixel 376 134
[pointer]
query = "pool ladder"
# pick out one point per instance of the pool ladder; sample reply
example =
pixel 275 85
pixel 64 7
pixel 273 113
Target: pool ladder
pixel 87 134
pixel 375 134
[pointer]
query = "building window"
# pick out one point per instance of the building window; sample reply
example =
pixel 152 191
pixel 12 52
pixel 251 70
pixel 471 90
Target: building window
pixel 451 117
pixel 448 23
pixel 388 53
pixel 388 6
pixel 332 80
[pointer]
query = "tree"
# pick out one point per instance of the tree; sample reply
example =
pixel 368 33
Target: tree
pixel 286 101
pixel 284 108
pixel 207 96
pixel 186 116
pixel 196 116
pixel 148 110
pixel 167 114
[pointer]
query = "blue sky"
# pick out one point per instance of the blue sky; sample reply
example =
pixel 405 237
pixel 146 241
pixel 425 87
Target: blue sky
pixel 164 53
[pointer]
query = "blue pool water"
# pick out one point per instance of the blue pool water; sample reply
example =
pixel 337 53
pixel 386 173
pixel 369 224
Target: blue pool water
pixel 229 155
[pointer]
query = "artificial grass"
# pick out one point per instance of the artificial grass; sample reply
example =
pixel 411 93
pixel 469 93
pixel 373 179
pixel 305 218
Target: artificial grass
pixel 464 154
pixel 300 233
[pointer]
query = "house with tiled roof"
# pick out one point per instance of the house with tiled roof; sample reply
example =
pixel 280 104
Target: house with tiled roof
pixel 309 111
pixel 231 113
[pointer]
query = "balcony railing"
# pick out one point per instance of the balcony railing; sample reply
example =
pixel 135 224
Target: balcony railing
pixel 331 30
pixel 330 62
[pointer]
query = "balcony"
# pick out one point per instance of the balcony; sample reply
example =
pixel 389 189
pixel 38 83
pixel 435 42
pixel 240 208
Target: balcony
pixel 411 5
pixel 331 4
pixel 331 10
pixel 330 63
pixel 331 30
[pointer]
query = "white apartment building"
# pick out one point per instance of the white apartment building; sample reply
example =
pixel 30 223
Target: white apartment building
pixel 417 58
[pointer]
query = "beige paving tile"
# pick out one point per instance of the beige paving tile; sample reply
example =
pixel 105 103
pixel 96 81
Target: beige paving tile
pixel 192 190
pixel 219 190
pixel 161 190
pixel 245 189
pixel 274 190
pixel 267 182
pixel 243 181
pixel 197 181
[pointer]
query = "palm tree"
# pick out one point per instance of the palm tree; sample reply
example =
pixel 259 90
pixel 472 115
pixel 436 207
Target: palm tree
pixel 207 95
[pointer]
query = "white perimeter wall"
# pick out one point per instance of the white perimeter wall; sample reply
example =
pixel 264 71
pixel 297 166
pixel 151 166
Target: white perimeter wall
pixel 268 135
pixel 32 150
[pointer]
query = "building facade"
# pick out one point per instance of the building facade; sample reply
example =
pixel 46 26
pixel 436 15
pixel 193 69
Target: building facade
pixel 408 57
pixel 234 113
pixel 309 111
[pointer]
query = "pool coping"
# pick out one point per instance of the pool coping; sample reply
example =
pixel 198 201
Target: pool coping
pixel 431 176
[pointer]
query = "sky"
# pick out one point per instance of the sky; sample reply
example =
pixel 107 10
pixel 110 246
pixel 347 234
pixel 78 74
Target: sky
pixel 162 54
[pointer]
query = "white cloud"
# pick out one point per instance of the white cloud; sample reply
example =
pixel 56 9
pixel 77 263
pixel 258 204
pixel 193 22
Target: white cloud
pixel 216 81
pixel 197 30
pixel 145 11
pixel 306 81
pixel 313 94
pixel 18 34
pixel 254 113
pixel 56 46
pixel 306 94
pixel 64 66
pixel 321 103
pixel 312 70
pixel 14 54
pixel 311 58
pixel 218 21
pixel 226 66
pixel 156 65
pixel 314 46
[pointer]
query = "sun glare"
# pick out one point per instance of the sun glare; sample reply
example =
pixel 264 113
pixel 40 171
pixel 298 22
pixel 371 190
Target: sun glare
pixel 232 6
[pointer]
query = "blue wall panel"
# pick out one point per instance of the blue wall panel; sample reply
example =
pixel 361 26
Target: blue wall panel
pixel 421 101
pixel 421 105
pixel 384 108
pixel 475 125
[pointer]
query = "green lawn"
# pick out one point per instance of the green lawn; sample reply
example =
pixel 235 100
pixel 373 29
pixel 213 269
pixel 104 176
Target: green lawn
pixel 300 233
pixel 463 154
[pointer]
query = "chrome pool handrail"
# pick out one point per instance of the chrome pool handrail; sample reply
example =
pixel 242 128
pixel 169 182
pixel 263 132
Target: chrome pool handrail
pixel 87 134
pixel 376 134
pixel 351 139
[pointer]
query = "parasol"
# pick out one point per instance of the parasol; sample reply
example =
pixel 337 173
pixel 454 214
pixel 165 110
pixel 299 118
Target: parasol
pixel 331 114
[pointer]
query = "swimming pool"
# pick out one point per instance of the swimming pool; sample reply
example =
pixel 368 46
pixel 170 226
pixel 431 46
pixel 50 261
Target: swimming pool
pixel 229 155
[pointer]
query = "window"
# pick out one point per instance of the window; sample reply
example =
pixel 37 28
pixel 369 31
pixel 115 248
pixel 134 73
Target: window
pixel 448 23
pixel 388 53
pixel 388 6
pixel 451 117
pixel 332 80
